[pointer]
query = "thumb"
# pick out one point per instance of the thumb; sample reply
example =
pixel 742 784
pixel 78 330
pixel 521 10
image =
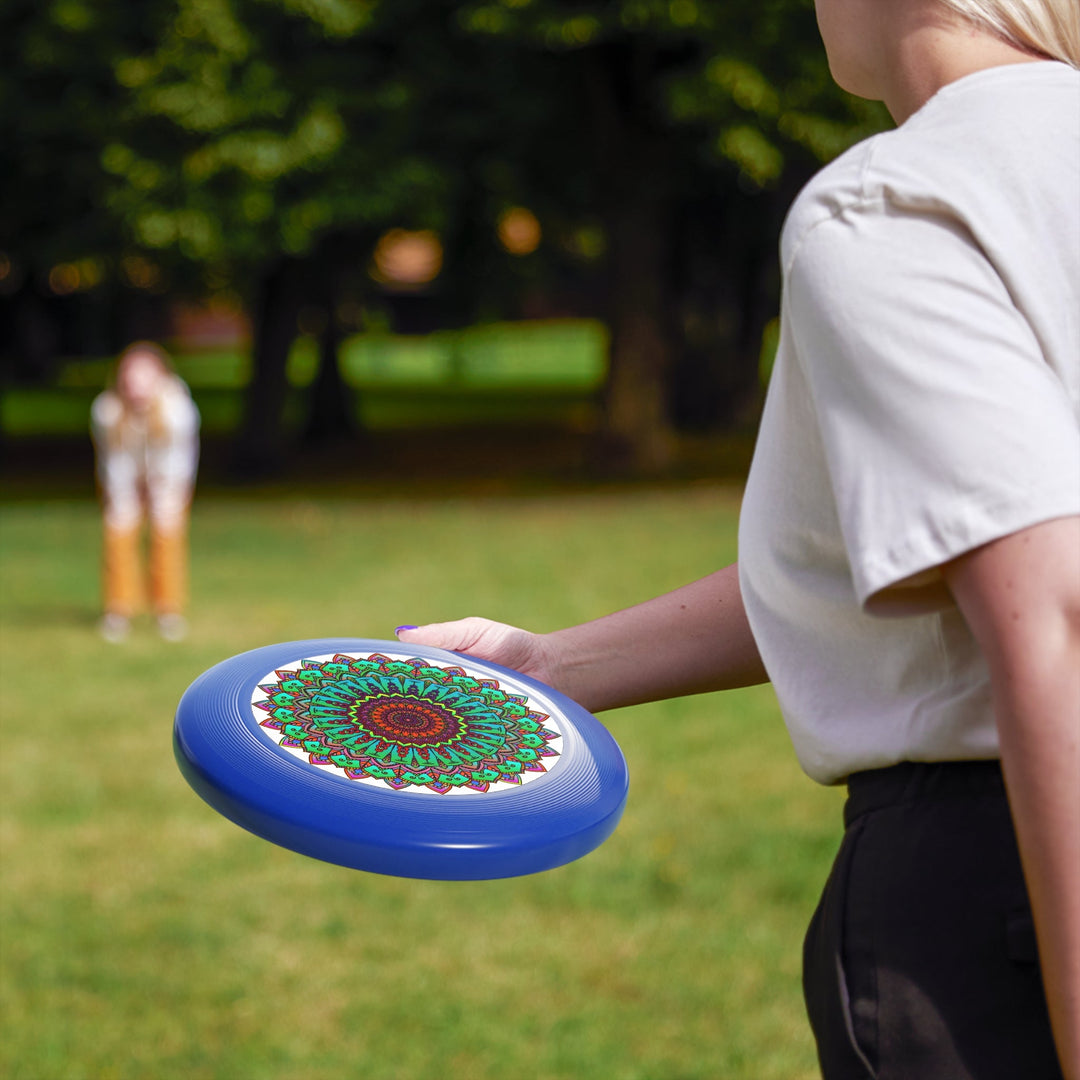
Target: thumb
pixel 498 642
pixel 455 636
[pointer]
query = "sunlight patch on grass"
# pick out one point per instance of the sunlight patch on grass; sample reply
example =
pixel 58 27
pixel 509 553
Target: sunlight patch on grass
pixel 146 936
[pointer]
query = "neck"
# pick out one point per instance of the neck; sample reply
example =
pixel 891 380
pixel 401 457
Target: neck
pixel 933 50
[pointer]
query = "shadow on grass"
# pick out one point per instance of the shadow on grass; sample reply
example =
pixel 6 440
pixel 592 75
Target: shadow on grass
pixel 419 463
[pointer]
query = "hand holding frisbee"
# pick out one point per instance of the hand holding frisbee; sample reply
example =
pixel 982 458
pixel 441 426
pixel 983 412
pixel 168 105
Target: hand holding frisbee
pixel 400 759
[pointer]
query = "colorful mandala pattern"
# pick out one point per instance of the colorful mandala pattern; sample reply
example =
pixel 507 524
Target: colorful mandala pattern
pixel 407 724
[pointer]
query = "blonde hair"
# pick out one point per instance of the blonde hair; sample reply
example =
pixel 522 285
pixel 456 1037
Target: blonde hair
pixel 144 347
pixel 1048 27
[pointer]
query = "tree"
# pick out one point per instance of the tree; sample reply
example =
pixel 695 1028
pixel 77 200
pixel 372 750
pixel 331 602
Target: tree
pixel 276 140
pixel 262 146
pixel 59 107
pixel 685 105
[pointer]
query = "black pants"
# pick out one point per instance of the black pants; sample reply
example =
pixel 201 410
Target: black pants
pixel 920 961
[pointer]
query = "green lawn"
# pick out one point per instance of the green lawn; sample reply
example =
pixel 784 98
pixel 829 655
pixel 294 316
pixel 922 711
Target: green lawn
pixel 548 371
pixel 143 936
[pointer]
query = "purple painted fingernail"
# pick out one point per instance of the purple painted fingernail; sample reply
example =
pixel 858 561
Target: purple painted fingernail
pixel 398 629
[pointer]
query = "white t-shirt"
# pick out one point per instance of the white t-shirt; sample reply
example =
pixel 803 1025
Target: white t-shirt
pixel 925 400
pixel 146 462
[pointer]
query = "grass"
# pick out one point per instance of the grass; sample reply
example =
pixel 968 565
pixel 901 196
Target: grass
pixel 144 936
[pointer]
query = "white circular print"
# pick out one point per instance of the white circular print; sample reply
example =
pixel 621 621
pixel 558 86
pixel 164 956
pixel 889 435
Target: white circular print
pixel 408 724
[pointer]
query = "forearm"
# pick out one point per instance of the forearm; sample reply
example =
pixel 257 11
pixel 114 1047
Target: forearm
pixel 1039 726
pixel 689 641
pixel 1021 598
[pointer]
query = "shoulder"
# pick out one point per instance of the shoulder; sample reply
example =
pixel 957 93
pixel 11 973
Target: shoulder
pixel 106 410
pixel 988 152
pixel 177 406
pixel 832 192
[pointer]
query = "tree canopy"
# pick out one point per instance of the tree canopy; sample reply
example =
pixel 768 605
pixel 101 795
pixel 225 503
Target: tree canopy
pixel 263 146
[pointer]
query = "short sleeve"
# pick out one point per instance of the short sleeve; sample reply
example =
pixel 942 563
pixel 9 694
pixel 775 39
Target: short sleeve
pixel 105 414
pixel 944 426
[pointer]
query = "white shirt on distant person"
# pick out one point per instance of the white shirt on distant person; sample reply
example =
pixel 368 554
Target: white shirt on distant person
pixel 146 462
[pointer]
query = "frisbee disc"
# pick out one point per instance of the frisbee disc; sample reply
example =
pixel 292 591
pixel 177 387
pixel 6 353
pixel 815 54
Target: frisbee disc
pixel 400 759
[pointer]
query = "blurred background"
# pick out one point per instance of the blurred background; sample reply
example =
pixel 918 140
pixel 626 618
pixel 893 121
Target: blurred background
pixel 349 216
pixel 477 302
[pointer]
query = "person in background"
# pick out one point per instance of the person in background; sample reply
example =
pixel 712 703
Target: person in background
pixel 146 437
pixel 909 549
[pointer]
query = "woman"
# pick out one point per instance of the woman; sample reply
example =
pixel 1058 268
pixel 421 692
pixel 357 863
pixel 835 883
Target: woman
pixel 146 435
pixel 909 574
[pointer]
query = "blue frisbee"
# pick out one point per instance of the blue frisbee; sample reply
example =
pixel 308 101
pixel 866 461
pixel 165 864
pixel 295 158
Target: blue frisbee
pixel 400 759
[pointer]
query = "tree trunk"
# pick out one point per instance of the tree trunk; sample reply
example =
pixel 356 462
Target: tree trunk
pixel 261 446
pixel 35 337
pixel 635 193
pixel 331 415
pixel 636 413
pixel 726 283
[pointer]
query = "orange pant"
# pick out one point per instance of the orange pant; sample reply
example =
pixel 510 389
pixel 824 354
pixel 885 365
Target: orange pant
pixel 123 581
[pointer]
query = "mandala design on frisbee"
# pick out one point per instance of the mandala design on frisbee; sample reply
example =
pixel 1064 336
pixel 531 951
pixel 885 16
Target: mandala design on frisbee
pixel 407 724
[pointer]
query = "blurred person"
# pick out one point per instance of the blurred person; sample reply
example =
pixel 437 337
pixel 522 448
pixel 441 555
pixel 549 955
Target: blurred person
pixel 146 437
pixel 909 567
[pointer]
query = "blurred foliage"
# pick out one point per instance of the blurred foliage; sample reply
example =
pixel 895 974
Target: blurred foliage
pixel 257 150
pixel 225 132
pixel 749 77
